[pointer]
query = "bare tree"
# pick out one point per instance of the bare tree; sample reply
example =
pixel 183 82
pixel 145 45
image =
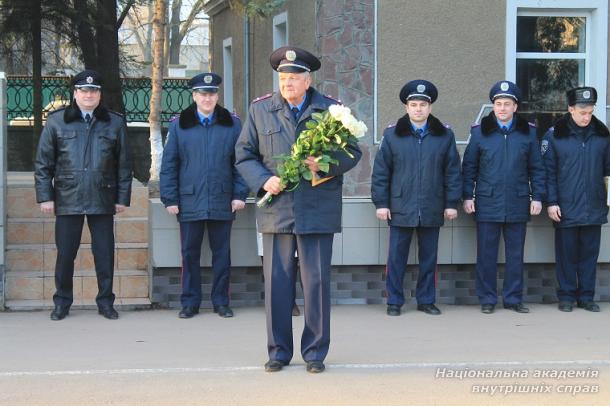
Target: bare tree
pixel 154 119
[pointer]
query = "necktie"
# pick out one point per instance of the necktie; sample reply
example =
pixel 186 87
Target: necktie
pixel 419 132
pixel 295 113
pixel 206 121
pixel 504 130
pixel 88 118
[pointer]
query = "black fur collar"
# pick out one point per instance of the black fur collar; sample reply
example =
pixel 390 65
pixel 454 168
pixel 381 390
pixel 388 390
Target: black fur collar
pixel 489 124
pixel 562 127
pixel 403 126
pixel 189 118
pixel 73 113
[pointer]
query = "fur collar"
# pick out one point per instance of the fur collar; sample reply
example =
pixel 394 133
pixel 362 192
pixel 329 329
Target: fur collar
pixel 73 113
pixel 489 124
pixel 435 126
pixel 562 126
pixel 189 117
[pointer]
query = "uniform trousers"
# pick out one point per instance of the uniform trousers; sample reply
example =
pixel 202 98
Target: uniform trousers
pixel 280 270
pixel 191 238
pixel 400 242
pixel 68 231
pixel 576 253
pixel 488 240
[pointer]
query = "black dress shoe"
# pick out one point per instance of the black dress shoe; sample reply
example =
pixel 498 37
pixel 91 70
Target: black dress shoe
pixel 187 312
pixel 565 306
pixel 517 307
pixel 428 309
pixel 393 310
pixel 223 311
pixel 274 365
pixel 315 367
pixel 60 312
pixel 108 312
pixel 590 306
pixel 295 310
pixel 487 308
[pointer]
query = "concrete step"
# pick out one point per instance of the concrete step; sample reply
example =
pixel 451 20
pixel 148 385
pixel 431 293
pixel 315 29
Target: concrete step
pixel 42 230
pixel 119 304
pixel 40 285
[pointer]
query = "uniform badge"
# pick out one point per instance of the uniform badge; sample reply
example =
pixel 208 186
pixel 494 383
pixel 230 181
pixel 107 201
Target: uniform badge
pixel 504 86
pixel 586 94
pixel 207 79
pixel 421 88
pixel 291 55
pixel 89 79
pixel 544 146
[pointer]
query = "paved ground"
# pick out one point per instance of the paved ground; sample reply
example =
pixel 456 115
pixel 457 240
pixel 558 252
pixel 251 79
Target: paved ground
pixel 154 358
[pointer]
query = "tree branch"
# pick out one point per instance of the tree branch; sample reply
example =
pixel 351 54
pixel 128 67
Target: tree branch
pixel 124 13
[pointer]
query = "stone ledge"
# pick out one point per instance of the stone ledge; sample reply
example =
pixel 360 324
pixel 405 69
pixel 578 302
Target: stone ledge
pixel 119 304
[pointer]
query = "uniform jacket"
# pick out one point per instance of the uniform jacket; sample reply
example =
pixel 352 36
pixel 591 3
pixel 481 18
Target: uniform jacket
pixel 575 168
pixel 503 171
pixel 269 131
pixel 417 179
pixel 197 172
pixel 84 168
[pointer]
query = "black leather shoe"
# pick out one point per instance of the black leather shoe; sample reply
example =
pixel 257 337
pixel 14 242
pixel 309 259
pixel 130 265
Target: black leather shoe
pixel 60 312
pixel 274 365
pixel 108 312
pixel 517 307
pixel 295 310
pixel 487 308
pixel 315 367
pixel 590 306
pixel 187 312
pixel 428 309
pixel 223 311
pixel 565 306
pixel 393 310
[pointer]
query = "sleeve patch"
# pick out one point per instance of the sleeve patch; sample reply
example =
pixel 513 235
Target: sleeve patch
pixel 544 146
pixel 268 95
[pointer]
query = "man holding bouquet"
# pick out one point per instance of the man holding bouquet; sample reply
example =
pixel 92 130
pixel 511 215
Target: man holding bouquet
pixel 304 217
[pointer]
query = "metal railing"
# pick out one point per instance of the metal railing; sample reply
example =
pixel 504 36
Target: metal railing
pixel 56 92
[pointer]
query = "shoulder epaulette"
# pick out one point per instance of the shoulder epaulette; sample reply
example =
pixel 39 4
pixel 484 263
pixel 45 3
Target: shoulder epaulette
pixel 531 124
pixel 116 113
pixel 57 110
pixel 268 95
pixel 174 117
pixel 475 125
pixel 333 99
pixel 234 114
pixel 391 125
pixel 447 126
pixel 552 129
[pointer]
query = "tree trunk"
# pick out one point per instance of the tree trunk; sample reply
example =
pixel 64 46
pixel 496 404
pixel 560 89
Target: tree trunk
pixel 86 39
pixel 107 40
pixel 35 7
pixel 175 39
pixel 154 119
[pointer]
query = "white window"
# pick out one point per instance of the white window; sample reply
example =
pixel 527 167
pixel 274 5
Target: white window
pixel 227 63
pixel 280 39
pixel 552 46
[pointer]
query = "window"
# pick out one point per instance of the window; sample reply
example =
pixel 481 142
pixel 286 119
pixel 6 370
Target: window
pixel 553 46
pixel 227 63
pixel 280 39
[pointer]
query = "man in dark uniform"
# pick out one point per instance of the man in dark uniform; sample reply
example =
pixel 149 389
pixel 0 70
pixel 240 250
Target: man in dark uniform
pixel 576 154
pixel 504 183
pixel 199 183
pixel 83 169
pixel 303 219
pixel 416 182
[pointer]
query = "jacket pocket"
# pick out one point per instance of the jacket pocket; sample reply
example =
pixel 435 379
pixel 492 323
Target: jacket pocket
pixel 523 192
pixel 483 189
pixel 271 133
pixel 187 190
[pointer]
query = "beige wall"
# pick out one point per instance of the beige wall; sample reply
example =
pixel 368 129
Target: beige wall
pixel 460 51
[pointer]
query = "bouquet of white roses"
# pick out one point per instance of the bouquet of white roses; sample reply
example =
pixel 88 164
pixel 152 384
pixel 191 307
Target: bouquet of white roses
pixel 327 132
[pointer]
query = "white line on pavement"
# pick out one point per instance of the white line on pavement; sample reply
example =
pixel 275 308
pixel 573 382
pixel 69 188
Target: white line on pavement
pixel 415 365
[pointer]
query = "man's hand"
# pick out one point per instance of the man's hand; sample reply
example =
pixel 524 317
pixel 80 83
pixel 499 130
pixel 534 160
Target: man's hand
pixel 450 214
pixel 120 208
pixel 469 206
pixel 383 214
pixel 312 164
pixel 47 207
pixel 273 185
pixel 172 209
pixel 554 213
pixel 535 208
pixel 237 205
